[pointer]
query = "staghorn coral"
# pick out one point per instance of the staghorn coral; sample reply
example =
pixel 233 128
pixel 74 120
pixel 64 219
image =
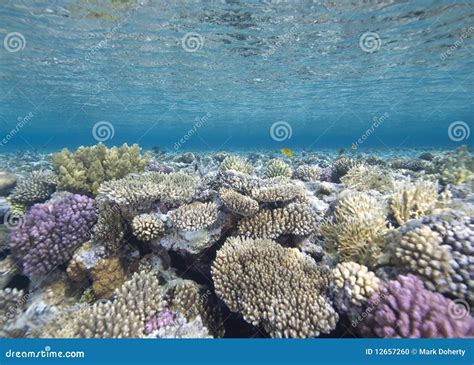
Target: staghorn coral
pixel 194 216
pixel 353 285
pixel 363 177
pixel 237 164
pixel 277 168
pixel 307 173
pixel 279 288
pixel 36 187
pixel 238 203
pixel 51 232
pixel 147 227
pixel 405 308
pixel 136 300
pixel 413 200
pixel 296 219
pixel 358 230
pixel 86 168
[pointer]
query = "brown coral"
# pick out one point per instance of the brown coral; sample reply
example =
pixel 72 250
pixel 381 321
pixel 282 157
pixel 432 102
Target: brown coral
pixel 238 203
pixel 194 216
pixel 147 227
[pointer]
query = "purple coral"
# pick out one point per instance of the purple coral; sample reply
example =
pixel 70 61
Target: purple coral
pixel 156 167
pixel 52 231
pixel 164 318
pixel 405 308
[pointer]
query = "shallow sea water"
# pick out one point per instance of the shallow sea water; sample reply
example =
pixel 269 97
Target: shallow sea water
pixel 288 166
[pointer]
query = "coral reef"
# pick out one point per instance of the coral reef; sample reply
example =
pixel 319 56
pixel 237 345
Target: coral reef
pixel 413 200
pixel 86 168
pixel 238 203
pixel 363 177
pixel 7 182
pixel 359 228
pixel 276 287
pixel 194 216
pixel 307 173
pixel 277 168
pixel 52 231
pixel 147 227
pixel 341 167
pixel 296 219
pixel 37 187
pixel 353 285
pixel 12 304
pixel 236 163
pixel 405 308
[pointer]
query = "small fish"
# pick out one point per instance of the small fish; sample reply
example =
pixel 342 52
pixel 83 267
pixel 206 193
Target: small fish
pixel 287 152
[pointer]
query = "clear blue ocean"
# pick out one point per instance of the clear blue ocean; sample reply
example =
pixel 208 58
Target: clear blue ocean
pixel 153 69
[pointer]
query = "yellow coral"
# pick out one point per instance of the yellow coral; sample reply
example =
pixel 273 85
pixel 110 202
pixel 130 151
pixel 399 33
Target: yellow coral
pixel 86 168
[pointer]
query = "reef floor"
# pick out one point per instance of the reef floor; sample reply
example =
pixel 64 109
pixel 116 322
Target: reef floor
pixel 120 242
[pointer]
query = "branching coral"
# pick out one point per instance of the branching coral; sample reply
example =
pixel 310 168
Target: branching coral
pixel 194 216
pixel 405 308
pixel 366 177
pixel 237 164
pixel 279 288
pixel 86 168
pixel 279 190
pixel 147 227
pixel 455 167
pixel 37 187
pixel 358 230
pixel 341 166
pixel 353 285
pixel 276 168
pixel 12 304
pixel 413 200
pixel 52 231
pixel 238 203
pixel 136 301
pixel 296 219
pixel 307 173
pixel 439 250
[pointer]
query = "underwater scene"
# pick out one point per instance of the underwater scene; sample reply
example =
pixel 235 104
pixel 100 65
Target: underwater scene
pixel 236 169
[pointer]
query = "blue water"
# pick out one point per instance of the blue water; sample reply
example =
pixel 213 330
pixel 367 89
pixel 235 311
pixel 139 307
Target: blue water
pixel 254 64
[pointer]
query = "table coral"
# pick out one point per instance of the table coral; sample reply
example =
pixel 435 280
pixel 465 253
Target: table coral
pixel 365 177
pixel 238 203
pixel 52 231
pixel 194 216
pixel 296 219
pixel 405 308
pixel 279 288
pixel 86 168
